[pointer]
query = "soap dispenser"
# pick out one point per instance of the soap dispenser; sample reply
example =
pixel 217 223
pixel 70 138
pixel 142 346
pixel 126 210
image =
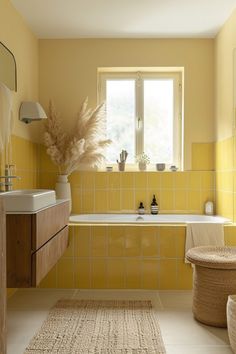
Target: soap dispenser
pixel 154 206
pixel 209 208
pixel 141 209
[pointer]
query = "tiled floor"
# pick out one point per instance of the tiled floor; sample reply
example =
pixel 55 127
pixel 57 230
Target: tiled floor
pixel 181 333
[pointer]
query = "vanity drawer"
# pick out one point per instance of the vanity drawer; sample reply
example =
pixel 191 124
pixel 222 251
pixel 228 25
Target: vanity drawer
pixel 47 256
pixel 48 222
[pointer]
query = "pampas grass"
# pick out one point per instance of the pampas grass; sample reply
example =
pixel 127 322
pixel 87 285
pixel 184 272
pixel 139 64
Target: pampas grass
pixel 84 146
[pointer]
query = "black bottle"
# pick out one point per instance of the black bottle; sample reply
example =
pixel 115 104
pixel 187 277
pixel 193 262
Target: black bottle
pixel 141 209
pixel 154 206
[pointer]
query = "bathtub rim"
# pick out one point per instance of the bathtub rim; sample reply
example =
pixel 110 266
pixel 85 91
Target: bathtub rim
pixel 225 222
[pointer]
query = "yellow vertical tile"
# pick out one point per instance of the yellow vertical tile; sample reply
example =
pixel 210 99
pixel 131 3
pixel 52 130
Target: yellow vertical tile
pixel 133 273
pixel 116 273
pixel 154 180
pixel 167 180
pixel 140 180
pixel 194 180
pixel 184 275
pixel 180 200
pixel 150 273
pixel 76 200
pixel 87 202
pixel 149 241
pixel 167 242
pixel 65 273
pixel 166 200
pixel 114 180
pixel 82 273
pixel 99 274
pixel 180 232
pixel 116 241
pixel 127 180
pixel 180 180
pixel 99 241
pixel 75 179
pixel 132 242
pixel 168 274
pixel 82 241
pixel 127 199
pixel 88 180
pixel 208 180
pixel 194 201
pixel 101 180
pixel 101 201
pixel 114 200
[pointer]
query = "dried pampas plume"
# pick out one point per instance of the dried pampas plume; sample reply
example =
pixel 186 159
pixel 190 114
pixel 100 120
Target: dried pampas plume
pixel 84 147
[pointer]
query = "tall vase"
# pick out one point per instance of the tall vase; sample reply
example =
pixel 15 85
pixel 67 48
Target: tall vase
pixel 63 190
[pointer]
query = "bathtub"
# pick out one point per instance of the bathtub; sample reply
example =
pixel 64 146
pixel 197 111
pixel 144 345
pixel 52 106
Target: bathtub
pixel 94 219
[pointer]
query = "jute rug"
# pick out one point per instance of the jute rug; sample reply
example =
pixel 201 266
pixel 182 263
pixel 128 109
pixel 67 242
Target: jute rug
pixel 100 327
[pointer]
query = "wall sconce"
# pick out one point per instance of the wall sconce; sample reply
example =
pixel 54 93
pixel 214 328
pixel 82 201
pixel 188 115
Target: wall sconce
pixel 31 111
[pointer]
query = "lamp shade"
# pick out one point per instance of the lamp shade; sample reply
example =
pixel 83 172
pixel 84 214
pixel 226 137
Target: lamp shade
pixel 31 111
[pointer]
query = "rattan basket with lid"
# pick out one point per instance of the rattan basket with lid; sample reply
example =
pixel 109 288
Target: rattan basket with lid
pixel 214 280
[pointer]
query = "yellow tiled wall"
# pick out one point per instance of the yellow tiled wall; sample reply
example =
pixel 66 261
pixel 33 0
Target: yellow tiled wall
pixel 179 192
pixel 226 178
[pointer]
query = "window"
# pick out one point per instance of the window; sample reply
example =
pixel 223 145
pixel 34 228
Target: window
pixel 143 114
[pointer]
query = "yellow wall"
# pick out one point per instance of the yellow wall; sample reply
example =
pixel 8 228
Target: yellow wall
pixel 68 74
pixel 15 34
pixel 225 43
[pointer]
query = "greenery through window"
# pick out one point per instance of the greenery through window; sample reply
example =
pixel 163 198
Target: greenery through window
pixel 143 115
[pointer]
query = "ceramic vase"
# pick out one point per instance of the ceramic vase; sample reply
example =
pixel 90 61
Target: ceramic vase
pixel 142 166
pixel 231 321
pixel 63 190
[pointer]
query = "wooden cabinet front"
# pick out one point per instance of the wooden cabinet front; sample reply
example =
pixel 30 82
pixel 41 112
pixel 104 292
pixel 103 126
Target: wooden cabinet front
pixel 34 244
pixel 47 256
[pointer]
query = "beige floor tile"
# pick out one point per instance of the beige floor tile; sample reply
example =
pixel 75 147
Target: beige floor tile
pixel 28 308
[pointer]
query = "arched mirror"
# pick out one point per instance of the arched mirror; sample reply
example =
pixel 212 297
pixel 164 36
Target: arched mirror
pixel 7 68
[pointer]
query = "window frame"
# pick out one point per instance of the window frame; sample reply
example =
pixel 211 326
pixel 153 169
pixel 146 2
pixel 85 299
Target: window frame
pixel 139 76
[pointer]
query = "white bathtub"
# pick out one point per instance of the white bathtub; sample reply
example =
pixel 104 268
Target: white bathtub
pixel 144 219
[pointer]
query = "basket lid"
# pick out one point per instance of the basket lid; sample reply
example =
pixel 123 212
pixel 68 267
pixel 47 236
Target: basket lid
pixel 220 257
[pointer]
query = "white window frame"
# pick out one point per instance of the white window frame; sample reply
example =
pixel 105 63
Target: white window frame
pixel 139 77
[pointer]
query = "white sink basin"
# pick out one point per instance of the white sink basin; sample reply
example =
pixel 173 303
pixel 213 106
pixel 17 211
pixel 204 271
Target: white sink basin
pixel 28 200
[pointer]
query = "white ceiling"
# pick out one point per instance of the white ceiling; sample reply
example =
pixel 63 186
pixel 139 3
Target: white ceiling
pixel 124 18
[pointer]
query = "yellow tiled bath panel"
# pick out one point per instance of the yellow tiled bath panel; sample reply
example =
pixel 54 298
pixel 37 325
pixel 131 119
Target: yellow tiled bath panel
pixel 149 241
pixel 133 273
pixel 126 257
pixel 116 273
pixel 99 273
pixel 168 274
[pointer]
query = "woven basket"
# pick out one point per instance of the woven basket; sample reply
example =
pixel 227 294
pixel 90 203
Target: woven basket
pixel 231 321
pixel 213 281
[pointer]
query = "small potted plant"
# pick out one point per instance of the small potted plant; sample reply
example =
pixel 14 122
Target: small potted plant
pixel 143 160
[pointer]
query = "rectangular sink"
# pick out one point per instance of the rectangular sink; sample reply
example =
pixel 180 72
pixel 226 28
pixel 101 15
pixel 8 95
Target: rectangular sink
pixel 28 200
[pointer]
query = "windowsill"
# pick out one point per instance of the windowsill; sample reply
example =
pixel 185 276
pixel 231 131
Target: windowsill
pixel 134 168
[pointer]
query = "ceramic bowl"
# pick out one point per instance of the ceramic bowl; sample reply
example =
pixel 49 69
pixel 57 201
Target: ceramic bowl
pixel 173 168
pixel 160 166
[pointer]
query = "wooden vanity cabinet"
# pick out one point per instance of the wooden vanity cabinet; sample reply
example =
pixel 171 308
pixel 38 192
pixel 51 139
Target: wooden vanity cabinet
pixel 35 242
